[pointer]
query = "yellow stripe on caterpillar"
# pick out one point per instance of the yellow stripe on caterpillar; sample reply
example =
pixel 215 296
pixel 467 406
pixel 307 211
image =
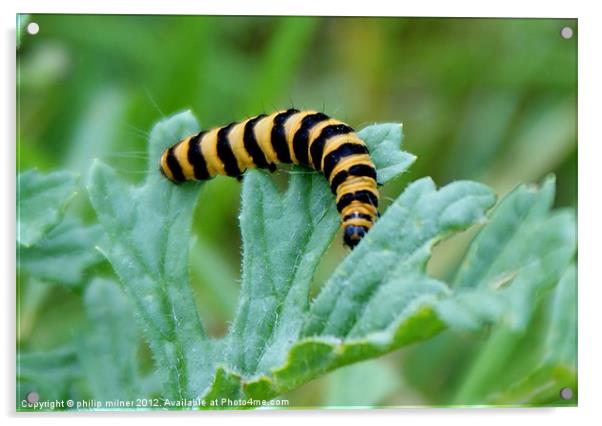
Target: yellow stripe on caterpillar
pixel 307 138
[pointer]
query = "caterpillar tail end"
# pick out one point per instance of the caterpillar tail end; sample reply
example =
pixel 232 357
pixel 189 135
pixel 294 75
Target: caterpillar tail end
pixel 165 169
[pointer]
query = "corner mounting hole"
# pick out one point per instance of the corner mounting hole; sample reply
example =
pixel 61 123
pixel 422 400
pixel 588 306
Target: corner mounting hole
pixel 32 397
pixel 33 28
pixel 566 393
pixel 566 33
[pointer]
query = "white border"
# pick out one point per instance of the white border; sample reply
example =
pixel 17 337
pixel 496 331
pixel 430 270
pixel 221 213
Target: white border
pixel 458 8
pixel 590 214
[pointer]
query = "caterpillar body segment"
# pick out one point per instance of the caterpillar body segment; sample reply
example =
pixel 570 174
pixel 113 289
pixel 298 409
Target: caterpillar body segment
pixel 307 138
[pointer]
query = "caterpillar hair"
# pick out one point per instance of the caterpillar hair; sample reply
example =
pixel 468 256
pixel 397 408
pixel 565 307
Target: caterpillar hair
pixel 306 138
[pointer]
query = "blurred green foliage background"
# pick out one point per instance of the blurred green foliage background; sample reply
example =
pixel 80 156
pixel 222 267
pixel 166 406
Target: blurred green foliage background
pixel 492 100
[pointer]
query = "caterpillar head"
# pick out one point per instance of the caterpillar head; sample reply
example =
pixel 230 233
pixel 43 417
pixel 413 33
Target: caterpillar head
pixel 353 235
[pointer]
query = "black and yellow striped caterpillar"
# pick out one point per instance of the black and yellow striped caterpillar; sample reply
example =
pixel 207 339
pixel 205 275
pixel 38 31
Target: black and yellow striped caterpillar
pixel 308 138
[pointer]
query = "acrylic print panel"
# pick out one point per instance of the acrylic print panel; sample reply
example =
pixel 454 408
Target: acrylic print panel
pixel 135 292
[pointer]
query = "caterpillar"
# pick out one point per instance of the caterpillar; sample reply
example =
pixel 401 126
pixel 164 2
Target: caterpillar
pixel 307 138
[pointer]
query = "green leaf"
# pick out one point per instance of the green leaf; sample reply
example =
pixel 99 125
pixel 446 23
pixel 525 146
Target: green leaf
pixel 148 229
pixel 278 266
pixel 41 201
pixel 515 259
pixel 384 141
pixel 108 349
pixel 557 367
pixel 386 273
pixel 378 299
pixel 50 374
pixel 63 254
pixel 274 260
pixel 521 253
pixel 561 341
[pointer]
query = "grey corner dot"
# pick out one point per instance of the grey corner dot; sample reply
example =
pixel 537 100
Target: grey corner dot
pixel 566 33
pixel 566 393
pixel 33 28
pixel 32 397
